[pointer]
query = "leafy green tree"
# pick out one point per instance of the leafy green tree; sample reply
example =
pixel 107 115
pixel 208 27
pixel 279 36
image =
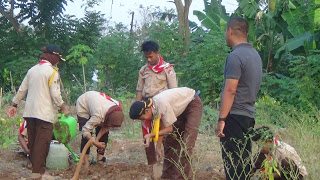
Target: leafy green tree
pixel 170 41
pixel 39 14
pixel 117 60
pixel 203 67
pixel 79 54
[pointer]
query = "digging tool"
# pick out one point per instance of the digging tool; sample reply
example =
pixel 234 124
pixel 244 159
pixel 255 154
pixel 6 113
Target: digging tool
pixel 157 167
pixel 76 174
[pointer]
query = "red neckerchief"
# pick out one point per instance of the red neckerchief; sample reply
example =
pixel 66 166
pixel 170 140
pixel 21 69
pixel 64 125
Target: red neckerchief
pixel 159 67
pixel 24 124
pixel 276 141
pixel 110 99
pixel 147 125
pixel 43 62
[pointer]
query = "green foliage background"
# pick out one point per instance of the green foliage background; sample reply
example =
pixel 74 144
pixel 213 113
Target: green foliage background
pixel 284 32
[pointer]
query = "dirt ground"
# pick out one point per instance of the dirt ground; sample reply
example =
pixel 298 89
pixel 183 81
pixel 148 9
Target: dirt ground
pixel 125 160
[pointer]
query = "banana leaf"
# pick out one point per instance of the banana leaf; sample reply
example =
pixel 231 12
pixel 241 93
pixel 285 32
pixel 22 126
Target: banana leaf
pixel 295 43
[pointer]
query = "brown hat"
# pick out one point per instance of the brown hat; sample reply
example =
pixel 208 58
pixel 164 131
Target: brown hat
pixel 114 117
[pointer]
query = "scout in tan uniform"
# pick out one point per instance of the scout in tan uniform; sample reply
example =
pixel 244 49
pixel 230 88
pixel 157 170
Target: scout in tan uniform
pixel 97 110
pixel 289 163
pixel 41 84
pixel 154 77
pixel 180 111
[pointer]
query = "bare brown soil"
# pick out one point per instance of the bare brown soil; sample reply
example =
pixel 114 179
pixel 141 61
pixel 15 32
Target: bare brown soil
pixel 126 160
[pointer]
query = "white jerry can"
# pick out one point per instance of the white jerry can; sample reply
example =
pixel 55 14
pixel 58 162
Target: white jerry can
pixel 58 156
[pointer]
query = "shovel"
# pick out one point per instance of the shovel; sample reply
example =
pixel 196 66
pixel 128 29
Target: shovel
pixel 157 167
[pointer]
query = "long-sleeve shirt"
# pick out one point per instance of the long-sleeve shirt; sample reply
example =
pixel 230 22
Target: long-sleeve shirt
pixel 93 106
pixel 40 97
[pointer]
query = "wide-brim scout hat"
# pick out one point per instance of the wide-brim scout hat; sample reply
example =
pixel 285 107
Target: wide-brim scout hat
pixel 51 49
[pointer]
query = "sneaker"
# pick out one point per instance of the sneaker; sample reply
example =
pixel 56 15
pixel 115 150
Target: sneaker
pixel 103 160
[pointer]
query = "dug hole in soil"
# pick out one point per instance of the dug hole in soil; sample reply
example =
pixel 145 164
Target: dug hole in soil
pixel 126 160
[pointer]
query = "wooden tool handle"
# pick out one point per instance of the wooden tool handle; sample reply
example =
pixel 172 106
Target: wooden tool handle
pixel 76 174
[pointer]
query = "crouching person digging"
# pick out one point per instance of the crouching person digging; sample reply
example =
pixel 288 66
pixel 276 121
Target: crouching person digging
pixel 97 110
pixel 180 111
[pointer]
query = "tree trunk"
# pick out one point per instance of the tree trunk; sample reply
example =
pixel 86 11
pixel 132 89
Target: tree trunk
pixel 84 79
pixel 10 16
pixel 183 14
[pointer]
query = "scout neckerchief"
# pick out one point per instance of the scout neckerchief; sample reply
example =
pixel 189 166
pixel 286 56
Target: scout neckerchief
pixel 160 67
pixel 146 124
pixel 23 126
pixel 110 99
pixel 276 141
pixel 55 69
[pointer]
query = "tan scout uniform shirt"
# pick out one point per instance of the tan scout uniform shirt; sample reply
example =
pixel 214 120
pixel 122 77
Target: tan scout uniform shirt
pixel 40 98
pixel 283 150
pixel 151 83
pixel 94 106
pixel 171 103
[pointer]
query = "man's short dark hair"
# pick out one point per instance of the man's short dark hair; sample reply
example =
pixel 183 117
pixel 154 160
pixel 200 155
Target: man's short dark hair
pixel 239 24
pixel 149 46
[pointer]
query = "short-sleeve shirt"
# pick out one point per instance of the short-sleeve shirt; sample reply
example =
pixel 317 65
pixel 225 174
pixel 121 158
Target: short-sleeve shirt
pixel 151 83
pixel 244 64
pixel 171 103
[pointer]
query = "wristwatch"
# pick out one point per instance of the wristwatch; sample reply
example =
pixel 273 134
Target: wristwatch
pixel 222 119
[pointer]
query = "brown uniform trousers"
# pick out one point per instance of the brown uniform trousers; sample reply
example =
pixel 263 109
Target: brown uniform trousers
pixel 39 137
pixel 187 125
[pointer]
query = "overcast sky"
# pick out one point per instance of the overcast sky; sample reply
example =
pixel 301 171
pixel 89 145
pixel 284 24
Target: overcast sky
pixel 120 10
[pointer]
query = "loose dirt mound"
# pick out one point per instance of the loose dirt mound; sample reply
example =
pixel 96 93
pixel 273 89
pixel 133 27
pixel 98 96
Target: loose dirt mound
pixel 126 160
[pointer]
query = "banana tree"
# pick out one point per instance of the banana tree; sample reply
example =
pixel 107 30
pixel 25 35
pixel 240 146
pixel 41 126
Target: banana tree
pixel 214 16
pixel 279 26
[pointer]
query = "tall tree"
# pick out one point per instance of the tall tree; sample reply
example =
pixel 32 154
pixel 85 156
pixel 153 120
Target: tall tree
pixel 7 10
pixel 183 17
pixel 38 13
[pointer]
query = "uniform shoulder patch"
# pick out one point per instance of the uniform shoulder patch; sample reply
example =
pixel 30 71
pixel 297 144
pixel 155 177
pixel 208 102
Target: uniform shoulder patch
pixel 170 72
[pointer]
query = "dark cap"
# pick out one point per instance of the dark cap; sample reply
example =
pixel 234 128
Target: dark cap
pixel 138 108
pixel 51 49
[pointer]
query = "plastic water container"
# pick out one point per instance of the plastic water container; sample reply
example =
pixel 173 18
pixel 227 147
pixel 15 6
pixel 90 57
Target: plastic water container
pixel 58 156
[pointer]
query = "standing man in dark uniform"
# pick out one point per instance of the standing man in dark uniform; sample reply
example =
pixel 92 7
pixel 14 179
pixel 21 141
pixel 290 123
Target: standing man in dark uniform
pixel 242 80
pixel 154 77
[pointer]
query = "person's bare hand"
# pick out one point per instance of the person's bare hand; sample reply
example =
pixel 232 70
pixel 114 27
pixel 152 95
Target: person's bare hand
pixel 146 139
pixel 65 110
pixel 100 145
pixel 160 153
pixel 12 112
pixel 219 129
